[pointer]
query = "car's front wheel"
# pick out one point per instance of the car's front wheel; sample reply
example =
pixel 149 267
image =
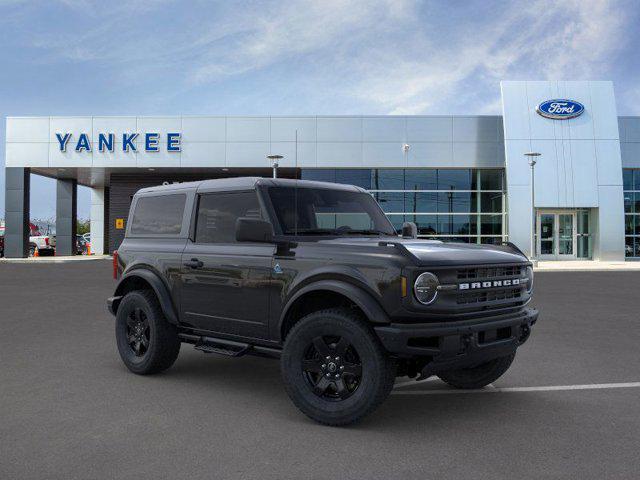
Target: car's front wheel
pixel 334 368
pixel 147 342
pixel 478 376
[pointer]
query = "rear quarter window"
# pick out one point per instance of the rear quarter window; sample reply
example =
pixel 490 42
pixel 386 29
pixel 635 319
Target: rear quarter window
pixel 158 215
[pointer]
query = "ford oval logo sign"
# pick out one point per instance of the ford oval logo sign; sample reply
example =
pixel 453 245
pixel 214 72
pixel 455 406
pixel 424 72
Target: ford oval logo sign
pixel 560 109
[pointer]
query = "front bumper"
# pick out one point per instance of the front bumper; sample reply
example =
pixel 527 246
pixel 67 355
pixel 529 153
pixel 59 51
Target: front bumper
pixel 451 345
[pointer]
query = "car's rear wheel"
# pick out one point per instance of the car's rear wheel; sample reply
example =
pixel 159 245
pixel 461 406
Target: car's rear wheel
pixel 334 368
pixel 147 342
pixel 478 376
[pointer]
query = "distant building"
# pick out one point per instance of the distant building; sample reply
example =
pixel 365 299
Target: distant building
pixel 459 178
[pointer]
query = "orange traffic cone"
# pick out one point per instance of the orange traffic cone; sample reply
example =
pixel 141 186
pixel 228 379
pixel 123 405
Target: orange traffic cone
pixel 88 248
pixel 36 253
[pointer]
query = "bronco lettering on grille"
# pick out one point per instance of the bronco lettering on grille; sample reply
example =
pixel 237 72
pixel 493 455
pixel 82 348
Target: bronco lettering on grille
pixel 489 284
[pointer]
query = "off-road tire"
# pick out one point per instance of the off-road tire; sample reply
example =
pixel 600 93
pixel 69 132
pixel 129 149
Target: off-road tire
pixel 163 342
pixel 377 369
pixel 478 376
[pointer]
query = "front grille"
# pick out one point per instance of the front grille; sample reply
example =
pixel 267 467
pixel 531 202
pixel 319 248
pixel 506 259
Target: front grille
pixel 489 272
pixel 512 293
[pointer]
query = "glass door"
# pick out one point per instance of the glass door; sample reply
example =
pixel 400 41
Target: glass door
pixel 556 235
pixel 547 238
pixel 566 234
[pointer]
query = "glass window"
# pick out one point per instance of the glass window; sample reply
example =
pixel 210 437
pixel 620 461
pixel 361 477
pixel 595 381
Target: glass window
pixel 629 226
pixel 387 179
pixel 159 215
pixel 421 202
pixel 459 202
pixel 454 179
pixel 491 202
pixel 628 202
pixel 318 174
pixel 629 247
pixel 490 179
pixel 491 224
pixel 421 179
pixel 318 211
pixel 491 240
pixel 360 177
pixel 391 202
pixel 627 179
pixel 411 195
pixel 457 224
pixel 218 212
pixel 636 179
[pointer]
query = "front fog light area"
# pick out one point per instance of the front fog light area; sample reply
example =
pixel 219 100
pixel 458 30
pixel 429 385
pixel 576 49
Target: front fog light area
pixel 426 288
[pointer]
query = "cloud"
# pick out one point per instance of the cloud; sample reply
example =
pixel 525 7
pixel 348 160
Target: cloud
pixel 537 40
pixel 389 56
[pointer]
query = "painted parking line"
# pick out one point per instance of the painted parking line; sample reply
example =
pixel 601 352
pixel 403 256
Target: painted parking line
pixel 548 388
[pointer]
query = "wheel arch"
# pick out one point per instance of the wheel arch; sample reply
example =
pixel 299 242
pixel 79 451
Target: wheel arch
pixel 335 290
pixel 143 279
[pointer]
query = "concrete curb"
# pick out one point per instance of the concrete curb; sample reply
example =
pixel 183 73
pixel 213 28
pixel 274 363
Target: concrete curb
pixel 39 260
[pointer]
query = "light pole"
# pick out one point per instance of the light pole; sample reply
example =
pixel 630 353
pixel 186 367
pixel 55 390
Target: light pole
pixel 274 163
pixel 531 156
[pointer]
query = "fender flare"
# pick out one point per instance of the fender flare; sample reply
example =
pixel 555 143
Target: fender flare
pixel 158 286
pixel 367 303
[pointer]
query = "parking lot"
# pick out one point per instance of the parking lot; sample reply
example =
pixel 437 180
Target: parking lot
pixel 70 409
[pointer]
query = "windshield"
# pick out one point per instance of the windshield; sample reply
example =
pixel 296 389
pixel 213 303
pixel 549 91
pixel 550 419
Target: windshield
pixel 319 211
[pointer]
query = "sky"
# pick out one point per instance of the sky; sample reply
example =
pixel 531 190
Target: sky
pixel 147 57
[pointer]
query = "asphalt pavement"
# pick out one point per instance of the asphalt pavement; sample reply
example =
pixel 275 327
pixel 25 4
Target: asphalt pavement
pixel 69 409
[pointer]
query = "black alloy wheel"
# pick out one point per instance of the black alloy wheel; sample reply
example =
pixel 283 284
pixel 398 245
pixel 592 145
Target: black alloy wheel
pixel 332 368
pixel 146 341
pixel 138 332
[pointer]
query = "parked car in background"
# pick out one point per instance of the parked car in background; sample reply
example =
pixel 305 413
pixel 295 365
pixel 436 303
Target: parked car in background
pixel 81 245
pixel 45 243
pixel 1 242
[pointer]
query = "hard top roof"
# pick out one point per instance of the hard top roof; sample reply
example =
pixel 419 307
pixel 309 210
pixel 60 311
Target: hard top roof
pixel 243 183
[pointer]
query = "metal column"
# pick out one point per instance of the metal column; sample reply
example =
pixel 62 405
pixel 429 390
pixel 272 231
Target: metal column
pixel 17 189
pixel 66 217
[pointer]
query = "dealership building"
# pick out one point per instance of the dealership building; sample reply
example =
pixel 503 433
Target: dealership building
pixel 459 178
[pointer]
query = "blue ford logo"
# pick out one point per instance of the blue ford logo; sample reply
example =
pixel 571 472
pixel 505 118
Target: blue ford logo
pixel 560 109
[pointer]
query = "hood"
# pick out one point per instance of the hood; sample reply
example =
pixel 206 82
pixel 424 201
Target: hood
pixel 452 253
pixel 435 253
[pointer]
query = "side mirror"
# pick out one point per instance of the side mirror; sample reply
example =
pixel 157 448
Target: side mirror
pixel 253 230
pixel 409 230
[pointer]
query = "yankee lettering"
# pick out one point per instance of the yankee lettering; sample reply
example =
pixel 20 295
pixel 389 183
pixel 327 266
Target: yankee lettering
pixel 107 142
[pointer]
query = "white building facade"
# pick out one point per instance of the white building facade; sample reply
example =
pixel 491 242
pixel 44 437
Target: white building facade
pixel 459 178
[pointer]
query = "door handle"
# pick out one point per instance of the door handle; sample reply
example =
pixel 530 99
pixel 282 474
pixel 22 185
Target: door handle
pixel 194 263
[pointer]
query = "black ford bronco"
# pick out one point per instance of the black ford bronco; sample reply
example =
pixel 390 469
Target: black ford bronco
pixel 314 274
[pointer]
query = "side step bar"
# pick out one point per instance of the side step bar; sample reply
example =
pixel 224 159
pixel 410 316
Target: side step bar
pixel 214 345
pixel 226 347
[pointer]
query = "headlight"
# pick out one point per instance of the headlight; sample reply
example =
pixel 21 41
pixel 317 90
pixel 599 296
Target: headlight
pixel 426 288
pixel 529 274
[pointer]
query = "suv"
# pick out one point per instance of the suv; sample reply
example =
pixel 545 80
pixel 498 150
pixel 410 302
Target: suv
pixel 314 274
